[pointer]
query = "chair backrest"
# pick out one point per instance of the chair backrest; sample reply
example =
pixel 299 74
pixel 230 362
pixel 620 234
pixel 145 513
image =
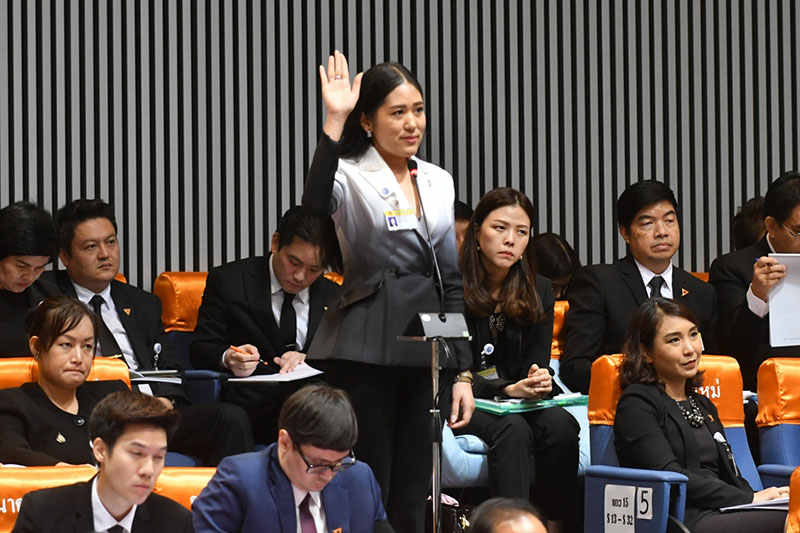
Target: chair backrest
pixel 121 277
pixel 702 276
pixel 181 294
pixel 14 371
pixel 779 410
pixel 17 482
pixel 177 483
pixel 793 520
pixel 183 484
pixel 722 385
pixel 559 312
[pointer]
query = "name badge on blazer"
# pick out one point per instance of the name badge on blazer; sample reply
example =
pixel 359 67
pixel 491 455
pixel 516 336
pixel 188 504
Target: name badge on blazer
pixel 401 219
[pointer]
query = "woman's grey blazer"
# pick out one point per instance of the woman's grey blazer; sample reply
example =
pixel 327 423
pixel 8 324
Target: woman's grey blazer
pixel 388 275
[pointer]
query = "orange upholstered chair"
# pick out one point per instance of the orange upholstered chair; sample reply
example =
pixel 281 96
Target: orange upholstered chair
pixel 181 294
pixel 779 410
pixel 14 371
pixel 334 277
pixel 177 483
pixel 183 484
pixel 559 312
pixel 17 482
pixel 793 521
pixel 703 276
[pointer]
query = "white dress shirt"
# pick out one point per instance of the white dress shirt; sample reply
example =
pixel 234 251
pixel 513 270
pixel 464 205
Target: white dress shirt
pixel 108 311
pixel 757 306
pixel 103 519
pixel 314 506
pixel 647 275
pixel 300 303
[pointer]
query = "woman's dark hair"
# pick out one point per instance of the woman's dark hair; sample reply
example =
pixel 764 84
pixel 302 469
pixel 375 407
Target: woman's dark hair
pixel 642 330
pixel 495 511
pixel 376 84
pixel 518 297
pixel 54 317
pixel 27 229
pixel 321 416
pixel 555 258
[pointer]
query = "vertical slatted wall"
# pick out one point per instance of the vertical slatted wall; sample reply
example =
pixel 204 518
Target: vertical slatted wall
pixel 197 119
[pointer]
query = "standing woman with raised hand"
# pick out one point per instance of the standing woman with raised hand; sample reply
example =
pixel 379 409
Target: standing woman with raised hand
pixel 360 175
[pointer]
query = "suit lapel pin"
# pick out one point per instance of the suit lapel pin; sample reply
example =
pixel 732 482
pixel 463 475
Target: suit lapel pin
pixel 684 292
pixel 60 439
pixel 127 311
pixel 324 307
pixel 337 530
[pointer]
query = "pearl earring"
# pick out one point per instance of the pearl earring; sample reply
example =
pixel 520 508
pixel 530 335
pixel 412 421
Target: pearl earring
pixel 369 134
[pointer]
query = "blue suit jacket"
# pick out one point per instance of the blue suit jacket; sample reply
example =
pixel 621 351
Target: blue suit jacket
pixel 251 493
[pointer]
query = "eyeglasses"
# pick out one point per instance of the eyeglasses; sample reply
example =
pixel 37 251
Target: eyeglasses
pixel 319 469
pixel 794 234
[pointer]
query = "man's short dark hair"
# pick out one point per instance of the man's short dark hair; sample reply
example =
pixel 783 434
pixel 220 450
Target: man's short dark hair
pixel 296 223
pixel 26 229
pixel 461 211
pixel 493 512
pixel 638 196
pixel 783 196
pixel 121 409
pixel 77 212
pixel 748 223
pixel 321 416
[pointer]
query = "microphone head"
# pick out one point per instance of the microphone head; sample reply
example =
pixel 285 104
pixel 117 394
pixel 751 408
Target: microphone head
pixel 412 168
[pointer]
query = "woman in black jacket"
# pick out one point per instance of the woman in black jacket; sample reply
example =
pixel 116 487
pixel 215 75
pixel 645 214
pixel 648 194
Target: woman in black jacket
pixel 510 316
pixel 46 423
pixel 663 424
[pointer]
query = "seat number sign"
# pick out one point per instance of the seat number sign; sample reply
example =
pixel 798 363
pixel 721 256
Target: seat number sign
pixel 624 505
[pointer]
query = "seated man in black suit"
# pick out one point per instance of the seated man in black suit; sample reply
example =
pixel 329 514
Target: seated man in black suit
pixel 744 278
pixel 131 329
pixel 129 433
pixel 602 298
pixel 259 314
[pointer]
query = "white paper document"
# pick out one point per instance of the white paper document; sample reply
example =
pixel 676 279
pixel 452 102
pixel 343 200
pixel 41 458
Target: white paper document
pixel 301 371
pixel 781 504
pixel 784 304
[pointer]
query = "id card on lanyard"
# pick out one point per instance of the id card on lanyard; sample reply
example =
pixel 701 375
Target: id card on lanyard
pixel 401 219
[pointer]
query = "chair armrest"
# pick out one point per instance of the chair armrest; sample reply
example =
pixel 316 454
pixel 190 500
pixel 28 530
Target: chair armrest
pixel 635 474
pixel 775 475
pixel 205 374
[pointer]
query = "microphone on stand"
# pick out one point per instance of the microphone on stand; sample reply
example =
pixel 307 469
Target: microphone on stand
pixel 412 171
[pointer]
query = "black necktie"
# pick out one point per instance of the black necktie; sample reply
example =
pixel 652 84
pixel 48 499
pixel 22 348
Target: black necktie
pixel 108 344
pixel 655 286
pixel 288 326
pixel 116 529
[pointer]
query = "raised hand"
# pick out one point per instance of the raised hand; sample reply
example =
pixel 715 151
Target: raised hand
pixel 339 96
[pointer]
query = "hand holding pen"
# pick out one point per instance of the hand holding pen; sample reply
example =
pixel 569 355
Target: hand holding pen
pixel 242 360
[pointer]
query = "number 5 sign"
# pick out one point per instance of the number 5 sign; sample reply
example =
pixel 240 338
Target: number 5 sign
pixel 644 503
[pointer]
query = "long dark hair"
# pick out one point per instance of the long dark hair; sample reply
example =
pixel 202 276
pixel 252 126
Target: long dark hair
pixel 518 297
pixel 376 84
pixel 642 331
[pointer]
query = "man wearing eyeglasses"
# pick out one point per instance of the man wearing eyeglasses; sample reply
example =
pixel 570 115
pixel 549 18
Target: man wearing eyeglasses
pixel 307 482
pixel 744 279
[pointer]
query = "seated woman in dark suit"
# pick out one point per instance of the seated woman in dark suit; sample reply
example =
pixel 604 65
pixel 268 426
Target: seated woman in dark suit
pixel 663 424
pixel 45 423
pixel 27 245
pixel 510 316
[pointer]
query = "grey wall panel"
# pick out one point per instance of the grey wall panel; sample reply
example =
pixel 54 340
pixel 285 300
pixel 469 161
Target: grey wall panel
pixel 197 119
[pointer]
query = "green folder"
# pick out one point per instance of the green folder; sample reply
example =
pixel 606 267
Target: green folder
pixel 505 407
